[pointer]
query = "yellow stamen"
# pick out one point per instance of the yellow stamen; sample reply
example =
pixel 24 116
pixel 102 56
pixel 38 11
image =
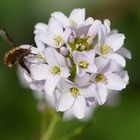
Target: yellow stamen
pixel 83 64
pixel 74 91
pixel 55 70
pixel 57 39
pixel 105 49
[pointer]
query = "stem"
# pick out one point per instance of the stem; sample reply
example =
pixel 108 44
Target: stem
pixel 48 132
pixel 73 71
pixel 43 122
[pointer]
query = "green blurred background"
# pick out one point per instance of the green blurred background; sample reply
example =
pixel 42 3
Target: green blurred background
pixel 19 118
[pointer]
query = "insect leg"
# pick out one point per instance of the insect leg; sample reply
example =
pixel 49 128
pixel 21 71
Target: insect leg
pixel 22 64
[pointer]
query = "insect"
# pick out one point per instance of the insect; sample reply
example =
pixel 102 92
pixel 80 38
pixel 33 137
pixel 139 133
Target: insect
pixel 15 55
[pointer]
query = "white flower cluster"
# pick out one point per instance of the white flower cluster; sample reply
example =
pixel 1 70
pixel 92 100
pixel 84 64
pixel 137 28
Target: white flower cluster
pixel 76 63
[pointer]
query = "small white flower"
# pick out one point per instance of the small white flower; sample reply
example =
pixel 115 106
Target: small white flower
pixel 54 36
pixel 74 97
pixel 109 44
pixel 75 20
pixel 51 72
pixel 84 62
pixel 106 79
pixel 76 64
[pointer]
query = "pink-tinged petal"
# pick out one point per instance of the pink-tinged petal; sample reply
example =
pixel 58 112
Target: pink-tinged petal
pixel 102 35
pixel 64 72
pixel 80 72
pixel 118 58
pixel 107 24
pixel 93 30
pixel 25 76
pixel 82 79
pixel 40 28
pixel 124 76
pixel 65 102
pixel 88 21
pixel 40 46
pixel 79 107
pixel 107 68
pixel 83 29
pixel 106 65
pixel 115 82
pixel 90 102
pixel 37 85
pixel 55 28
pixel 47 39
pixel 78 15
pixel 115 41
pixel 101 93
pixel 78 56
pixel 89 91
pixel 53 57
pixel 39 72
pixel 51 83
pixel 66 34
pixel 92 68
pixel 101 61
pixel 124 52
pixel 61 18
pixel 65 84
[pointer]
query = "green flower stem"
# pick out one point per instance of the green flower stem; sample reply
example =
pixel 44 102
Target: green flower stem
pixel 73 70
pixel 43 122
pixel 48 132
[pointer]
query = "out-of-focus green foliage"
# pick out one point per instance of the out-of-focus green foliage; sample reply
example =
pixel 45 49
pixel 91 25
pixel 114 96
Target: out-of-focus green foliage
pixel 19 118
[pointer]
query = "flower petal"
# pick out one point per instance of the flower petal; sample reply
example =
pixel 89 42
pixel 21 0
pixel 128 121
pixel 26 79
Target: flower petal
pixel 66 34
pixel 124 52
pixel 115 82
pixel 61 18
pixel 51 83
pixel 39 72
pixel 40 28
pixel 93 30
pixel 65 101
pixel 115 41
pixel 40 45
pixel 102 35
pixel 107 24
pixel 89 91
pixel 66 84
pixel 82 79
pixel 88 21
pixel 64 72
pixel 79 107
pixel 53 57
pixel 55 28
pixel 46 38
pixel 78 15
pixel 118 58
pixel 101 93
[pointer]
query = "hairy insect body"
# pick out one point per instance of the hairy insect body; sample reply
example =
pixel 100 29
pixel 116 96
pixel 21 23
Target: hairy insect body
pixel 15 55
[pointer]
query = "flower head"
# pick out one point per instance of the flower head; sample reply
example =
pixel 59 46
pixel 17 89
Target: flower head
pixel 76 63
